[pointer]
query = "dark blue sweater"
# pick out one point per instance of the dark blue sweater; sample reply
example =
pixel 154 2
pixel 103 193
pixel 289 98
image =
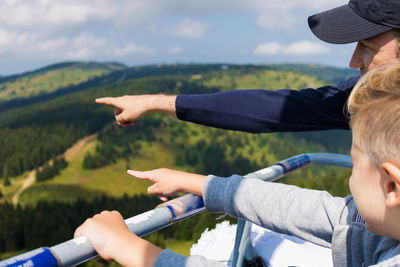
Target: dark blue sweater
pixel 270 110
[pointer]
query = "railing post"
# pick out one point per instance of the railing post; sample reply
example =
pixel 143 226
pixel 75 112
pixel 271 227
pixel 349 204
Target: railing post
pixel 288 165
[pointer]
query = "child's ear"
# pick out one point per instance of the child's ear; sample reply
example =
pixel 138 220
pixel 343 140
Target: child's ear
pixel 391 184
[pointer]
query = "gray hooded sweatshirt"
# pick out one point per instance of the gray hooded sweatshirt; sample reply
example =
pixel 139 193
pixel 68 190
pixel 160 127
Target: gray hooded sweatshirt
pixel 312 215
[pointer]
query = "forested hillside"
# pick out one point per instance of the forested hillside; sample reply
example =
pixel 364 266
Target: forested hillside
pixel 36 131
pixel 323 73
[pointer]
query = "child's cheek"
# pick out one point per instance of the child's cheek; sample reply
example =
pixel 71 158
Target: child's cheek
pixel 351 184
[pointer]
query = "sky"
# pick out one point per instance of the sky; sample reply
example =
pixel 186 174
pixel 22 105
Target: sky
pixel 37 33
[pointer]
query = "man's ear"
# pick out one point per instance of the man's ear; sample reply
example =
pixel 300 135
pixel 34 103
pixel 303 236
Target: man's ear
pixel 391 183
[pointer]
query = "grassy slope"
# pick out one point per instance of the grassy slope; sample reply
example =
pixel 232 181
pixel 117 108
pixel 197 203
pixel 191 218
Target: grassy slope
pixel 75 182
pixel 9 191
pixel 51 78
pixel 261 79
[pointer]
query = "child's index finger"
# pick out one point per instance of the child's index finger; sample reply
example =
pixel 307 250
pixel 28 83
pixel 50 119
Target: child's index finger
pixel 139 174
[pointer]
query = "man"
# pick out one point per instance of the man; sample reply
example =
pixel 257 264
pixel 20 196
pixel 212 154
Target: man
pixel 373 24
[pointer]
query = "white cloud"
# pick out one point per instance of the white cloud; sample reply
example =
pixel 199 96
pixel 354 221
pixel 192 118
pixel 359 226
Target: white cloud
pixel 14 40
pixel 4 37
pixel 268 49
pixel 275 22
pixel 73 14
pixel 25 14
pixel 86 39
pixel 85 46
pixel 284 15
pixel 130 49
pixel 273 5
pixel 175 50
pixel 51 45
pixel 81 47
pixel 297 48
pixel 305 48
pixel 79 54
pixel 190 29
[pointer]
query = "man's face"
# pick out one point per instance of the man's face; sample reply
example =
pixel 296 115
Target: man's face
pixel 366 188
pixel 376 50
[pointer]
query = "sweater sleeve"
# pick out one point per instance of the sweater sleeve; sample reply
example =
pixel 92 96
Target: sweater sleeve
pixel 269 110
pixel 308 214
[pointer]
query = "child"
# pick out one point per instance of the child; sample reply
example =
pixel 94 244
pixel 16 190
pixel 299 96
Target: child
pixel 361 229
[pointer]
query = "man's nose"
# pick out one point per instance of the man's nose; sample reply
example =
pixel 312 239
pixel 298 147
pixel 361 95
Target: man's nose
pixel 356 61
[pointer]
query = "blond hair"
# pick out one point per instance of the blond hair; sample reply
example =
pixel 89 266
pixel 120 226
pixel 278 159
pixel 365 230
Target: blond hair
pixel 374 109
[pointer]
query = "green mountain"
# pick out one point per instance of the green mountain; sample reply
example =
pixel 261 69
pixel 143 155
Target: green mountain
pixel 64 116
pixel 324 73
pixel 52 78
pixel 37 131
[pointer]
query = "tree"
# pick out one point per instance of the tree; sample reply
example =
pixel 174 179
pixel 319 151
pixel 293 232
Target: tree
pixel 60 163
pixel 6 181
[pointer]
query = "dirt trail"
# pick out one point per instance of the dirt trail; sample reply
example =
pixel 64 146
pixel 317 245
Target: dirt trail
pixel 69 155
pixel 28 181
pixel 71 152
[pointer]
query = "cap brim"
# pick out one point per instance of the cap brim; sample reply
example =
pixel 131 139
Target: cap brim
pixel 342 25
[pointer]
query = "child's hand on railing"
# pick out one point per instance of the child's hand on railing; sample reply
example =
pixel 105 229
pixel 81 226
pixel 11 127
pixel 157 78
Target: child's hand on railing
pixel 169 182
pixel 112 240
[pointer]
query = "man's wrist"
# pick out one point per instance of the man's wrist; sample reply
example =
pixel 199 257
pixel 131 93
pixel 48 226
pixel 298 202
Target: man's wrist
pixel 164 104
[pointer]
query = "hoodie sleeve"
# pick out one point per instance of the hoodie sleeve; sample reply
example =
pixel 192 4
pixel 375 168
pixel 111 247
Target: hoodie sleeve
pixel 308 214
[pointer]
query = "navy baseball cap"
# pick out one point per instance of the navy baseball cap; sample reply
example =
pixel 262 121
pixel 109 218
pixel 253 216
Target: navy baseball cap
pixel 356 21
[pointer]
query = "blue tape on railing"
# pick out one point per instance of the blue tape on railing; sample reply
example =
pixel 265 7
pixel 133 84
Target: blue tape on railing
pixel 193 204
pixel 294 163
pixel 39 257
pixel 171 210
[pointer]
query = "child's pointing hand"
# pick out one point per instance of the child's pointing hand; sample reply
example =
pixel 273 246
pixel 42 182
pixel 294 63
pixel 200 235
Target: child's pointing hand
pixel 167 182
